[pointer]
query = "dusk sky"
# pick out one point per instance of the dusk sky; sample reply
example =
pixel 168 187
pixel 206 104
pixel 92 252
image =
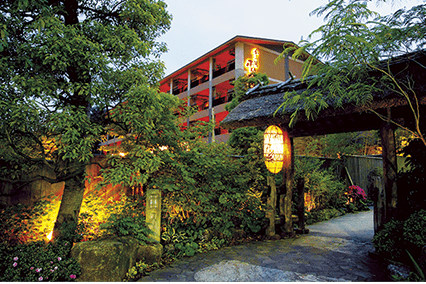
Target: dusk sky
pixel 199 26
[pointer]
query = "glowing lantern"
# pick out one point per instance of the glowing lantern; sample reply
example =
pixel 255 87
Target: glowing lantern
pixel 276 149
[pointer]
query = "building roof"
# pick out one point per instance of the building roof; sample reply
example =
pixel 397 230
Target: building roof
pixel 260 104
pixel 238 38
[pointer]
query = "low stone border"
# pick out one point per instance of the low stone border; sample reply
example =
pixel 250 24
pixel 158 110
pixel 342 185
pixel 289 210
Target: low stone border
pixel 110 259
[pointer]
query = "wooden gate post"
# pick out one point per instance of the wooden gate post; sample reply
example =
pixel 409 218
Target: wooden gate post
pixel 286 199
pixel 387 136
pixel 271 205
pixel 301 206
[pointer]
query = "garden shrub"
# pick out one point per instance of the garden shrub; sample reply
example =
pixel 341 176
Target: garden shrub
pixel 322 215
pixel 389 242
pixel 415 231
pixel 327 191
pixel 36 261
pixel 24 230
pixel 412 181
pixel 127 220
pixel 210 190
pixel 29 223
pixel 398 236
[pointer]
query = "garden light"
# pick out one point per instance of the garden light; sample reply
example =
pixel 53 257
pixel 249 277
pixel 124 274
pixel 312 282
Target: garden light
pixel 49 236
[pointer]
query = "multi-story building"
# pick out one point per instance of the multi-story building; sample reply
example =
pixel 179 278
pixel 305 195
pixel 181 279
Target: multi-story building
pixel 205 83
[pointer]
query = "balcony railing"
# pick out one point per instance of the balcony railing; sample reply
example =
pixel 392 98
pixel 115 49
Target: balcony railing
pixel 196 82
pixel 229 67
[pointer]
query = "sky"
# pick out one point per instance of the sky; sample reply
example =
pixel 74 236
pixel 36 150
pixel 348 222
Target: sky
pixel 199 26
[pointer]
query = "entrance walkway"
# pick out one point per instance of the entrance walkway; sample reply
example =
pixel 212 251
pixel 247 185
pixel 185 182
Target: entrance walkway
pixel 335 250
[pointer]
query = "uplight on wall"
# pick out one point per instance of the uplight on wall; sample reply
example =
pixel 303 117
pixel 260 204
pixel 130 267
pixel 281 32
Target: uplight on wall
pixel 276 149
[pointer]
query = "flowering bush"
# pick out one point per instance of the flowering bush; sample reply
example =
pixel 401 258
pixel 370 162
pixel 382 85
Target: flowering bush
pixel 356 193
pixel 356 199
pixel 36 261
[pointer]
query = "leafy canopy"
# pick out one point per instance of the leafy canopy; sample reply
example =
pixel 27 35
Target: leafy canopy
pixel 64 66
pixel 354 42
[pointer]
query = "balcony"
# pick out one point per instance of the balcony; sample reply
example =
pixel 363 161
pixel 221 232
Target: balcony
pixel 229 67
pixel 196 82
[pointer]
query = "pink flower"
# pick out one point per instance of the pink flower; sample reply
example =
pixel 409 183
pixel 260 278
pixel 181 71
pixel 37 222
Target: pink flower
pixel 40 278
pixel 38 269
pixel 31 268
pixel 15 258
pixel 73 276
pixel 15 264
pixel 59 258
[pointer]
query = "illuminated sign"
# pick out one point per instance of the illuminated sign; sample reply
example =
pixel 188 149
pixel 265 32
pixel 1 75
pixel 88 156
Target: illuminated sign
pixel 252 64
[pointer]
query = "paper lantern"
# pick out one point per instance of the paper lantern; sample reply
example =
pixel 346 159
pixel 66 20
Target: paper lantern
pixel 276 149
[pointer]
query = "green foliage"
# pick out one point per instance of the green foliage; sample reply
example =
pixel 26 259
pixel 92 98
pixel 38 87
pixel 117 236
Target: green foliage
pixel 241 139
pixel 389 241
pixel 415 229
pixel 243 84
pixel 420 275
pixel 356 45
pixel 413 180
pixel 322 215
pixel 37 261
pixel 24 223
pixel 396 236
pixel 129 221
pixel 30 223
pixel 208 192
pixel 64 67
pixel 352 143
pixel 327 190
pixel 137 270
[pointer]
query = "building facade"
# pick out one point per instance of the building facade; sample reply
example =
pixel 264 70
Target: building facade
pixel 205 83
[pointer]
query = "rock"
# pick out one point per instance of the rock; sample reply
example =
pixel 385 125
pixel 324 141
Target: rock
pixel 149 253
pixel 234 270
pixel 110 259
pixel 399 270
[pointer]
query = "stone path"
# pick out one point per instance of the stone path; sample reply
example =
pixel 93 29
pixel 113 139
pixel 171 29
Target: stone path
pixel 335 250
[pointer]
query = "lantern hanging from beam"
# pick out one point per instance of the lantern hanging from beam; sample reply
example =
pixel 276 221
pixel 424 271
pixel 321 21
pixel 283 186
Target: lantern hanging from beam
pixel 276 149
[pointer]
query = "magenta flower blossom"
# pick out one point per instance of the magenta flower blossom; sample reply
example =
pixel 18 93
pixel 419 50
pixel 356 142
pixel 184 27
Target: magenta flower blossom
pixel 15 264
pixel 357 191
pixel 73 276
pixel 59 258
pixel 15 258
pixel 31 268
pixel 40 278
pixel 38 269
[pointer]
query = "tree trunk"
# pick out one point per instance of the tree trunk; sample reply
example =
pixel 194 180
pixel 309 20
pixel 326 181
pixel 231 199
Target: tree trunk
pixel 69 209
